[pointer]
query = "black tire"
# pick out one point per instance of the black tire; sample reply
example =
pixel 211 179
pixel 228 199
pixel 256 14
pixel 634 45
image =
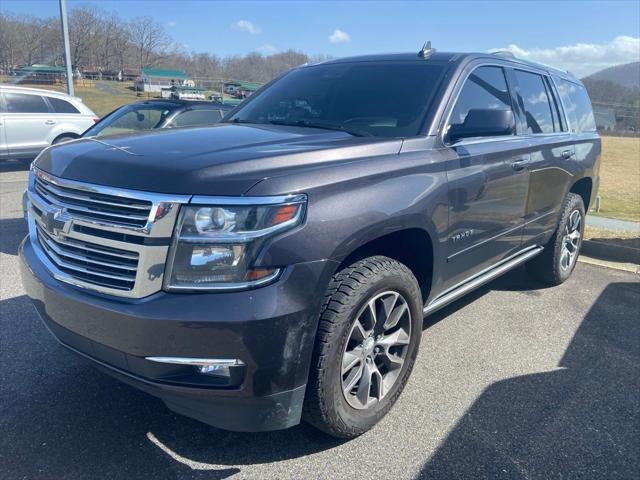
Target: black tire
pixel 550 266
pixel 62 139
pixel 350 291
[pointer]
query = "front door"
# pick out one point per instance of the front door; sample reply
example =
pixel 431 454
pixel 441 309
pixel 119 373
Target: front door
pixel 488 181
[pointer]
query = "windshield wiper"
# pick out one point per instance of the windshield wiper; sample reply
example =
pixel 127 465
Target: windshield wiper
pixel 242 120
pixel 324 126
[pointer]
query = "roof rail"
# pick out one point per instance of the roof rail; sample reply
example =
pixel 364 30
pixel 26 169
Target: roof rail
pixel 504 53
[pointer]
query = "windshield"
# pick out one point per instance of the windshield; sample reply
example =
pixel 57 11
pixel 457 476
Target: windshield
pixel 130 119
pixel 386 99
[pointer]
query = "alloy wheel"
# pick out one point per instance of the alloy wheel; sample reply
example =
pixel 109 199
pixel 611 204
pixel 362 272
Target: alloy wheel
pixel 376 349
pixel 571 240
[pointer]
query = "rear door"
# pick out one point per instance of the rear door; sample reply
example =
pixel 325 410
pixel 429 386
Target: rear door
pixel 487 180
pixel 27 122
pixel 551 151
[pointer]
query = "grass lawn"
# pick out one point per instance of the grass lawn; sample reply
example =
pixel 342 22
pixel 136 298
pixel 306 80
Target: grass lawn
pixel 616 237
pixel 620 178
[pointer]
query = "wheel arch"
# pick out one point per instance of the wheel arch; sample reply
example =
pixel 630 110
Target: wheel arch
pixel 65 134
pixel 584 188
pixel 411 246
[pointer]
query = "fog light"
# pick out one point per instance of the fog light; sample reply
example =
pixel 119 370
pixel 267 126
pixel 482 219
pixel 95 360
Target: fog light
pixel 217 370
pixel 205 366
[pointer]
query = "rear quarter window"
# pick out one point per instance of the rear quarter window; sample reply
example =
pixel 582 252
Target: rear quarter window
pixel 534 101
pixel 62 106
pixel 577 106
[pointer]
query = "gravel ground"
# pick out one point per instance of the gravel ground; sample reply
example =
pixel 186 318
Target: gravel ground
pixel 514 381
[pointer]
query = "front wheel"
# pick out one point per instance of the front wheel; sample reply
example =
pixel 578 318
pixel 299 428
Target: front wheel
pixel 556 263
pixel 367 341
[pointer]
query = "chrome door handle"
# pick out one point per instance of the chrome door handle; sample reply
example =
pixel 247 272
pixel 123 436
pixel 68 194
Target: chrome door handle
pixel 519 165
pixel 49 122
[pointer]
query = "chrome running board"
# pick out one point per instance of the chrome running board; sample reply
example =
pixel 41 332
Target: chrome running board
pixel 480 279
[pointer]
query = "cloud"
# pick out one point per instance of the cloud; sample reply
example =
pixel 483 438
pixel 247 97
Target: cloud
pixel 339 36
pixel 171 24
pixel 267 49
pixel 583 59
pixel 246 26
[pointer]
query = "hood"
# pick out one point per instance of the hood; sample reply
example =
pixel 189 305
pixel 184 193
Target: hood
pixel 224 159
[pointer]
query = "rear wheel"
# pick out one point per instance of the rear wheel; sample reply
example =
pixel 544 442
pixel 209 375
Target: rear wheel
pixel 556 263
pixel 368 338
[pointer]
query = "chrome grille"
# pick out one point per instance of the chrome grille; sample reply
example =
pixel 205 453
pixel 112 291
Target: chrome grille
pixel 95 264
pixel 110 240
pixel 92 205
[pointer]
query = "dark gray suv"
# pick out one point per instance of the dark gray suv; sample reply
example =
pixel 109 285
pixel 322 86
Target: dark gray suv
pixel 278 266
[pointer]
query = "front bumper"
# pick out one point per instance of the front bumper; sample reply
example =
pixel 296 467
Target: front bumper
pixel 271 329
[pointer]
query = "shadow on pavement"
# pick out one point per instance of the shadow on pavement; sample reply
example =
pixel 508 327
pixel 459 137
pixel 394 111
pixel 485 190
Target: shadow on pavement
pixel 12 231
pixel 579 421
pixel 61 418
pixel 14 166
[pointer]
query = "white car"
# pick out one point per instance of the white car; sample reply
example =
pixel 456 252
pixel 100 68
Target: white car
pixel 32 119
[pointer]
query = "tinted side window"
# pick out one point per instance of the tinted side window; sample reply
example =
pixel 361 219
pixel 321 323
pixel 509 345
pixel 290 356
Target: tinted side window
pixel 559 123
pixel 62 106
pixel 197 117
pixel 485 89
pixel 577 105
pixel 534 101
pixel 25 103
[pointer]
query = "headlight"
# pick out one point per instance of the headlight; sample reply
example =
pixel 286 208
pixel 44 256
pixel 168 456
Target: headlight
pixel 214 246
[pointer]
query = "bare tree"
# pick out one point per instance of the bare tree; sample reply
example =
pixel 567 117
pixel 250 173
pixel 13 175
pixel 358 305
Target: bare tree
pixel 102 40
pixel 149 39
pixel 83 23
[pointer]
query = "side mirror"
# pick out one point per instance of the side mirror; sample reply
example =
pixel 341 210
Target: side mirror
pixel 481 122
pixel 140 117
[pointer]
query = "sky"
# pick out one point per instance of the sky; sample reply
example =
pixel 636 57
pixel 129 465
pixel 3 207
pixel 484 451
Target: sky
pixel 581 36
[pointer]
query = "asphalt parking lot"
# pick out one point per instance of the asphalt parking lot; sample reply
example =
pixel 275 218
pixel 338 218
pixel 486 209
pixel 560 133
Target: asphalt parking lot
pixel 515 381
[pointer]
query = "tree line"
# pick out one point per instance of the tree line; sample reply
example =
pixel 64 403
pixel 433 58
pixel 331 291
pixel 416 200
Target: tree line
pixel 104 41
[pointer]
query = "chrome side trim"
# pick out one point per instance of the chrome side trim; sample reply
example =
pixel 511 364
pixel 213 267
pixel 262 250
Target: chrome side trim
pixel 481 278
pixel 501 234
pixel 274 200
pixel 199 362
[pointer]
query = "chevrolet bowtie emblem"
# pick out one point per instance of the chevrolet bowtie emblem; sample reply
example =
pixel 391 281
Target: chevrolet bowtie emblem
pixel 56 221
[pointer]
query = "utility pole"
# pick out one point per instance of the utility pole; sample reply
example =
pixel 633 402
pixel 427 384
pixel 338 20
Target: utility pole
pixel 65 42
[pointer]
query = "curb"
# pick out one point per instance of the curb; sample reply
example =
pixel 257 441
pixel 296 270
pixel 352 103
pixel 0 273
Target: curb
pixel 607 251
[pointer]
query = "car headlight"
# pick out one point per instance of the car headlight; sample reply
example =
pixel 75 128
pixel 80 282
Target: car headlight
pixel 215 245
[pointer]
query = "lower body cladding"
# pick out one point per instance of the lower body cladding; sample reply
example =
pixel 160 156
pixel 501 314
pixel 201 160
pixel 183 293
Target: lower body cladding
pixel 265 336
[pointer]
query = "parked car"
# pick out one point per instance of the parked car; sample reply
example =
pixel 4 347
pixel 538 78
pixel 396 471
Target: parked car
pixel 152 114
pixel 32 119
pixel 278 266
